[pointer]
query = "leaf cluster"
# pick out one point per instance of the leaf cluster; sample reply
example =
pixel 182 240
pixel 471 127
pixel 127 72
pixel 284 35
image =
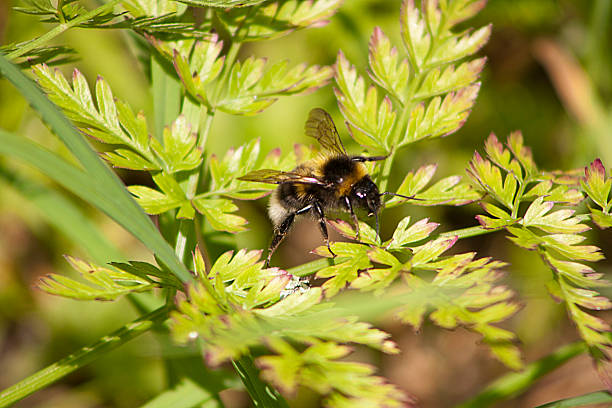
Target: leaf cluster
pixel 108 283
pixel 238 306
pixel 167 25
pixel 424 90
pixel 464 291
pixel 596 184
pixel 510 177
pixel 249 86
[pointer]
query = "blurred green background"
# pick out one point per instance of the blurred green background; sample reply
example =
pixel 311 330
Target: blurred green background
pixel 549 74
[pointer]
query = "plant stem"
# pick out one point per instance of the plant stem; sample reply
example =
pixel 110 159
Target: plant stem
pixel 80 358
pixel 468 232
pixel 513 384
pixel 187 228
pixel 598 397
pixel 60 29
pixel 310 267
pixel 263 395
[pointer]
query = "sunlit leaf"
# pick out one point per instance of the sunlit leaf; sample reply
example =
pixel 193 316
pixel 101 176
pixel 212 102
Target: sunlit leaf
pixel 102 283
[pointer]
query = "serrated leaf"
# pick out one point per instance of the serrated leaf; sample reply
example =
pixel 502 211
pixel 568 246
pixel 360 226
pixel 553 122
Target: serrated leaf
pixel 378 279
pixel 112 122
pixel 462 10
pixel 600 218
pixel 456 47
pixel 102 283
pixel 405 234
pixel 522 153
pixel 157 275
pixel 577 273
pixel 293 304
pixel 464 293
pixel 503 157
pixel 385 70
pixel 558 194
pixel 179 151
pixel 201 68
pixel 361 108
pixel 439 81
pixel 171 196
pixel 128 159
pixel 320 359
pixel 440 117
pixel 489 178
pixel 448 191
pixel 253 86
pixel 557 222
pixel 565 245
pixel 597 184
pixel 344 271
pixel 431 250
pixel 414 182
pixel 494 223
pixel 276 18
pixel 218 213
pixel 222 3
pixel 367 234
pixel 415 35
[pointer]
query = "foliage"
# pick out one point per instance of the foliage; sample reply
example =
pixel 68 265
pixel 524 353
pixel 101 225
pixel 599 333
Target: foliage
pixel 554 233
pixel 271 325
pixel 237 305
pixel 432 95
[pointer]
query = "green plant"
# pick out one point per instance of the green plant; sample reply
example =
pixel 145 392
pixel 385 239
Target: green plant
pixel 278 335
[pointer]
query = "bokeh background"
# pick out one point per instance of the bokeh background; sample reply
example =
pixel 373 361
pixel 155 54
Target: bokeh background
pixel 549 74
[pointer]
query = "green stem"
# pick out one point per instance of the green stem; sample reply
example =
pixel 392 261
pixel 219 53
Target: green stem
pixel 409 105
pixel 586 400
pixel 514 384
pixel 263 395
pixel 310 267
pixel 80 358
pixel 187 228
pixel 166 90
pixel 519 194
pixel 60 11
pixel 60 29
pixel 468 232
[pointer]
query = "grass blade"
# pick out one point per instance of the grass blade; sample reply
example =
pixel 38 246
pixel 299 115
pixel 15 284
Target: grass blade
pixel 585 400
pixel 101 186
pixel 186 394
pixel 262 394
pixel 514 384
pixel 80 358
pixel 63 214
pixel 166 91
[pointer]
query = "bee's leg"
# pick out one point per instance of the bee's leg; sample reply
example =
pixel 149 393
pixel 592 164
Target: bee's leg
pixel 355 220
pixel 319 213
pixel 367 159
pixel 281 231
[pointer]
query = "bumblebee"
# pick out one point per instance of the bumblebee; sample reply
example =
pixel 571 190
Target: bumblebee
pixel 330 182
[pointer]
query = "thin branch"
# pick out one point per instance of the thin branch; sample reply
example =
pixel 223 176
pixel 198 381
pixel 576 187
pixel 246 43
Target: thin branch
pixel 80 358
pixel 62 27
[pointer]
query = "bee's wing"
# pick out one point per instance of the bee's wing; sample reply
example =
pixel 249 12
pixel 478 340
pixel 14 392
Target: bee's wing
pixel 278 177
pixel 321 126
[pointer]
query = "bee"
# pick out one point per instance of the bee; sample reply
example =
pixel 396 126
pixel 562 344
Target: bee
pixel 332 181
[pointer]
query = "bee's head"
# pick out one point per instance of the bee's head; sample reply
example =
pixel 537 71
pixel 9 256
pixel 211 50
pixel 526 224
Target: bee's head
pixel 365 195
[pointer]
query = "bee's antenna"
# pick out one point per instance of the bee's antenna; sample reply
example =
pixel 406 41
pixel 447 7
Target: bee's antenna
pixel 412 197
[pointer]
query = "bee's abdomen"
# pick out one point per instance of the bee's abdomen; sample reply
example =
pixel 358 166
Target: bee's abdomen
pixel 286 199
